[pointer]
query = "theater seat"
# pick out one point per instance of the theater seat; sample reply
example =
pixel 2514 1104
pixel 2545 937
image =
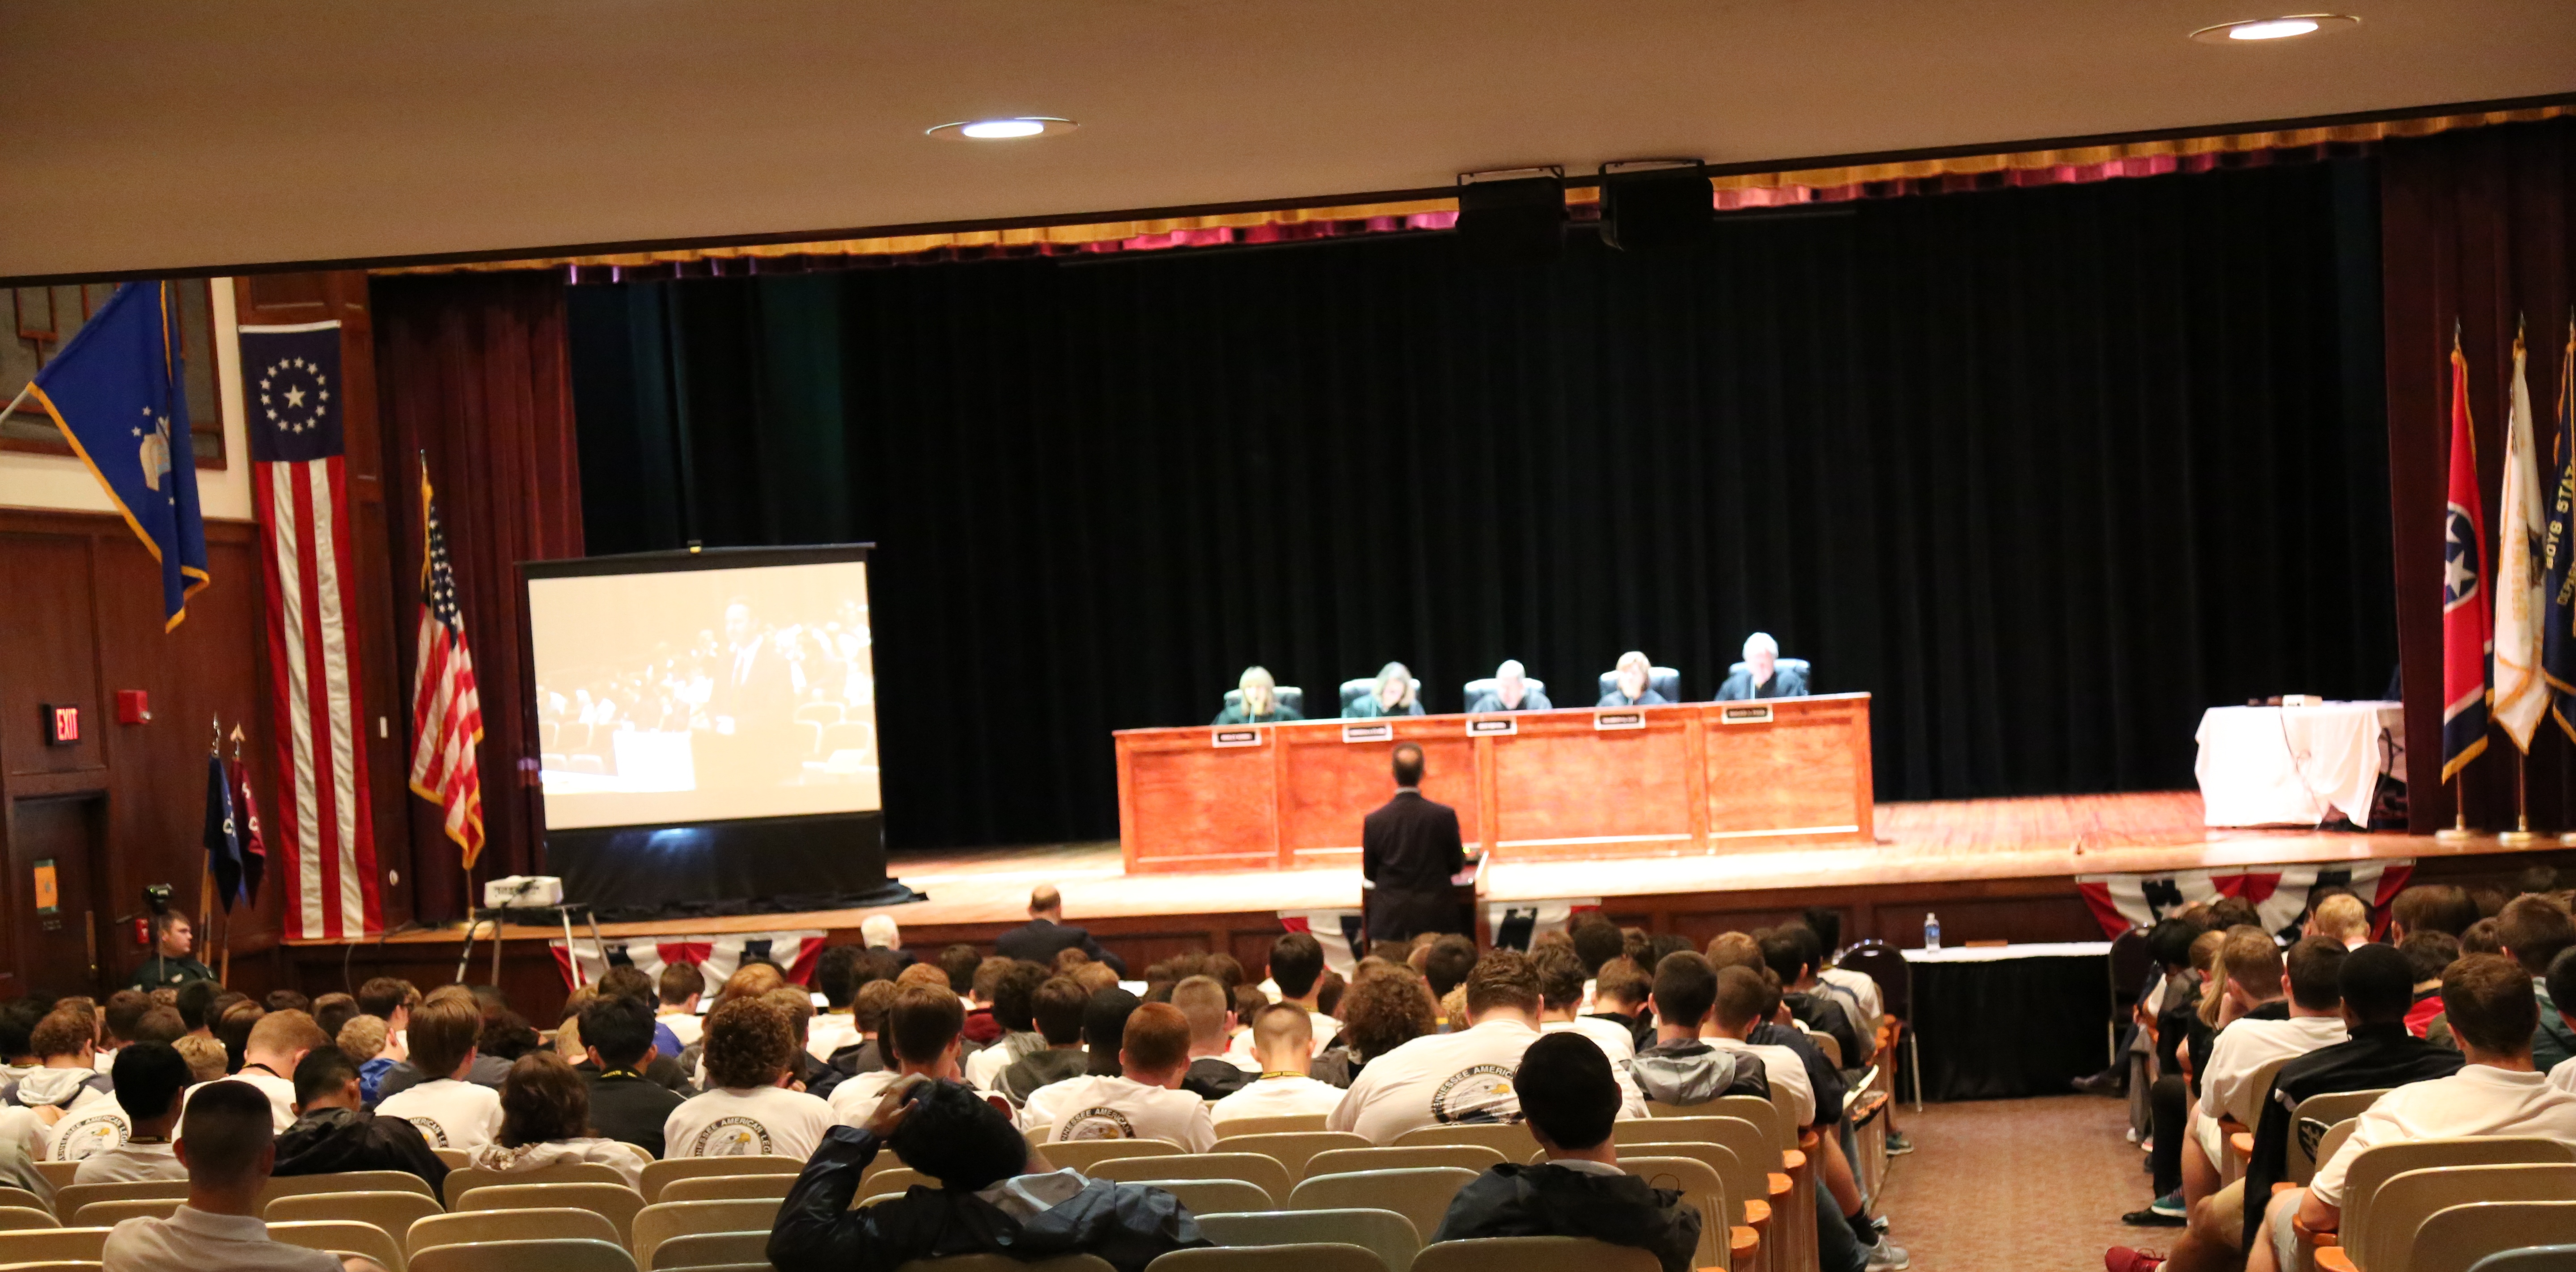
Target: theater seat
pixel 1289 696
pixel 1798 665
pixel 1663 680
pixel 1354 690
pixel 1484 685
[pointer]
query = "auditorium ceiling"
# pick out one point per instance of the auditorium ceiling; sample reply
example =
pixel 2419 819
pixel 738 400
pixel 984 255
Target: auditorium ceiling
pixel 158 135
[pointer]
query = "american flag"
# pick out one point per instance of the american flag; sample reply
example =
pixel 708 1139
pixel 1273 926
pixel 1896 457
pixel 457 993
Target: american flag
pixel 299 478
pixel 446 713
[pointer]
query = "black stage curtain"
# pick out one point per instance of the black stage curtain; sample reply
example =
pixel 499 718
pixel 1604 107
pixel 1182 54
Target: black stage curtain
pixel 2478 229
pixel 1967 1056
pixel 2047 471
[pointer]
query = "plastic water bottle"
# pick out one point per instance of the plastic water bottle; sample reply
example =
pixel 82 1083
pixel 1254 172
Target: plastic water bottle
pixel 1931 930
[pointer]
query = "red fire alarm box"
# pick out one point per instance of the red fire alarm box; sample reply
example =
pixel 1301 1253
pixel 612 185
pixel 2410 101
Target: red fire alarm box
pixel 133 706
pixel 62 724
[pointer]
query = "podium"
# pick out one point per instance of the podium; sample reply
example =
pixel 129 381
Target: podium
pixel 1683 779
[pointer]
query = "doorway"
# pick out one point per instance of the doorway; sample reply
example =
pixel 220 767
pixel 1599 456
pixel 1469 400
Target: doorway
pixel 55 851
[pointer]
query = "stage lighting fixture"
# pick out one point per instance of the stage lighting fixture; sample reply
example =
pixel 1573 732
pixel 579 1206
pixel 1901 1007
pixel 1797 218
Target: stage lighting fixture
pixel 1505 219
pixel 1655 209
pixel 2287 27
pixel 1003 129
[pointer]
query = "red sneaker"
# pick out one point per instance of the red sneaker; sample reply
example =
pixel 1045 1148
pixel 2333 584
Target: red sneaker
pixel 2124 1259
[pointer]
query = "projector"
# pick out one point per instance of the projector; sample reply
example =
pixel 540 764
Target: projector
pixel 523 890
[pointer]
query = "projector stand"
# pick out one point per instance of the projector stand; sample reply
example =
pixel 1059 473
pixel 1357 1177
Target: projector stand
pixel 496 914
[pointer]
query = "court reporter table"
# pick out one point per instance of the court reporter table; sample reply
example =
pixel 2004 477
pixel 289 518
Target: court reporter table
pixel 1689 778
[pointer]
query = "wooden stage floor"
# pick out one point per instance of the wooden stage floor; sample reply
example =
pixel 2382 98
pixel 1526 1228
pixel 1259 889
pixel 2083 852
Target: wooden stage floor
pixel 1948 842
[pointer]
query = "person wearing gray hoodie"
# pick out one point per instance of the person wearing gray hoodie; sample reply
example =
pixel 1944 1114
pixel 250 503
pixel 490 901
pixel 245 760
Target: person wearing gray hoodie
pixel 66 1044
pixel 1679 1069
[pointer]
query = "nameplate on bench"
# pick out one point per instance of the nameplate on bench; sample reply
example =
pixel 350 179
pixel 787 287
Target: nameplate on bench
pixel 1485 726
pixel 1368 733
pixel 1758 714
pixel 1235 737
pixel 1618 720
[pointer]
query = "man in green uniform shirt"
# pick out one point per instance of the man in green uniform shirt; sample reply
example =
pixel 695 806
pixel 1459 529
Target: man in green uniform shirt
pixel 170 964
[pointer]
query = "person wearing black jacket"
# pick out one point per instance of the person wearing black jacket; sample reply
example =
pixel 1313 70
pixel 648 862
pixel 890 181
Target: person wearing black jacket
pixel 331 1134
pixel 1570 1099
pixel 1046 935
pixel 945 1131
pixel 625 1105
pixel 1409 850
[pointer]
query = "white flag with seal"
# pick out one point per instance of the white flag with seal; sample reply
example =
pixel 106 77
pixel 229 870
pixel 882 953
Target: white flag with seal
pixel 2521 695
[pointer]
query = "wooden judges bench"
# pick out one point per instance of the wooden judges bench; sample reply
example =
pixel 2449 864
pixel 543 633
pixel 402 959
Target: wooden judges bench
pixel 1702 777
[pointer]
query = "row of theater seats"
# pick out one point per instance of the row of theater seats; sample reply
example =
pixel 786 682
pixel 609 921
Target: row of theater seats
pixel 2495 1204
pixel 1269 1183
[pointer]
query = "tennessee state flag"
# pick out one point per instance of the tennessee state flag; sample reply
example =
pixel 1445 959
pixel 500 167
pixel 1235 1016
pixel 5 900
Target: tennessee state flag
pixel 2464 564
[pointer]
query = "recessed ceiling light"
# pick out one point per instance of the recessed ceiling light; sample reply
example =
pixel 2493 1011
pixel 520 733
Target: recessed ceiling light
pixel 1003 129
pixel 2281 28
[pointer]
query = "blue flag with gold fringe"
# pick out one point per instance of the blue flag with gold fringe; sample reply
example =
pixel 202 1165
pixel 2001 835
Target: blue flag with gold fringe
pixel 119 394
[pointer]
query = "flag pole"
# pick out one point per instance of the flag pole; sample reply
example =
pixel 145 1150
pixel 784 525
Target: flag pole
pixel 2458 830
pixel 2520 836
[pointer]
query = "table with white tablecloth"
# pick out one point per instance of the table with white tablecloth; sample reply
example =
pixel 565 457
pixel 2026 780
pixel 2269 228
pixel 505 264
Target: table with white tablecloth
pixel 2296 766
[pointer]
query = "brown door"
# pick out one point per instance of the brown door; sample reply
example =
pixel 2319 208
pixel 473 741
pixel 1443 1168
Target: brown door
pixel 54 845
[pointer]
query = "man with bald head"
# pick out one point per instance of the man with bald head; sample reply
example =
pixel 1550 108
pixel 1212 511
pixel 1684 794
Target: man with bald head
pixel 1046 934
pixel 1512 691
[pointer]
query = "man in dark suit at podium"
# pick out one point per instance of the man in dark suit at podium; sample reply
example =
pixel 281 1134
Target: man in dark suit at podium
pixel 1045 935
pixel 1409 848
pixel 1763 676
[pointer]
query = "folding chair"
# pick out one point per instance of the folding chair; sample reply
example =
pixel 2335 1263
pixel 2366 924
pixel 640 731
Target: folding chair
pixel 2309 1123
pixel 1885 964
pixel 456 1158
pixel 459 1182
pixel 1212 1196
pixel 2389 1229
pixel 1763 1113
pixel 59 1265
pixel 341 1237
pixel 1260 1171
pixel 39 1245
pixel 1419 1193
pixel 22 1197
pixel 1390 1235
pixel 1746 1188
pixel 475 1227
pixel 658 1175
pixel 1343 1161
pixel 1270 1125
pixel 1511 1139
pixel 1292 1149
pixel 1532 1254
pixel 564 1254
pixel 885 1183
pixel 58 1173
pixel 664 1220
pixel 1004 1263
pixel 1313 1256
pixel 344 1181
pixel 728 1188
pixel 108 1214
pixel 395 1212
pixel 69 1198
pixel 712 1250
pixel 1082 1155
pixel 1703 1190
pixel 2382 1162
pixel 2454 1239
pixel 2551 1258
pixel 617 1202
pixel 16 1218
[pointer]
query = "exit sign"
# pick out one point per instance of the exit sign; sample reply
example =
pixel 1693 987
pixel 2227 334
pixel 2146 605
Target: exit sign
pixel 62 725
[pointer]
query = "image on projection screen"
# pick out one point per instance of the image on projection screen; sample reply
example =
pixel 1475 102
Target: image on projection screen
pixel 704 695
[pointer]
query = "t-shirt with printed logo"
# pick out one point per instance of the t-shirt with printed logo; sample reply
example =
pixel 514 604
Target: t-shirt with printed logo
pixel 449 1113
pixel 1436 1080
pixel 96 1124
pixel 746 1122
pixel 1099 1108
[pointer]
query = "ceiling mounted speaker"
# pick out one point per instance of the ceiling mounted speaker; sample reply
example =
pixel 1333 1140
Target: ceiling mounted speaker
pixel 1512 220
pixel 1661 209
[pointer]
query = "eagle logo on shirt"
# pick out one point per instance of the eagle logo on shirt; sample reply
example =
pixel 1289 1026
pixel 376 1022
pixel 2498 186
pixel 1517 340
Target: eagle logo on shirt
pixel 731 1137
pixel 87 1137
pixel 1099 1123
pixel 1470 1094
pixel 430 1130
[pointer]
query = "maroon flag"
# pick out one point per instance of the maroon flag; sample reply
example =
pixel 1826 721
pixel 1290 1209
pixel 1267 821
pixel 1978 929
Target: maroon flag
pixel 446 713
pixel 254 850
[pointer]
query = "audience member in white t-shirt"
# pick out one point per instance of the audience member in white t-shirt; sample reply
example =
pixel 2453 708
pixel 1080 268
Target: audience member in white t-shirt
pixel 2257 973
pixel 1284 1043
pixel 1296 978
pixel 149 1079
pixel 1745 998
pixel 748 1110
pixel 228 1148
pixel 921 1037
pixel 2561 983
pixel 679 986
pixel 1560 992
pixel 1465 1076
pixel 277 1044
pixel 2493 1012
pixel 1147 1102
pixel 450 1111
pixel 545 1121
pixel 836 978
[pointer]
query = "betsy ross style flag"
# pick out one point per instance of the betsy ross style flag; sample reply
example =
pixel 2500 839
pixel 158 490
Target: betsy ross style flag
pixel 2521 696
pixel 2558 626
pixel 446 712
pixel 2464 613
pixel 299 486
pixel 119 394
